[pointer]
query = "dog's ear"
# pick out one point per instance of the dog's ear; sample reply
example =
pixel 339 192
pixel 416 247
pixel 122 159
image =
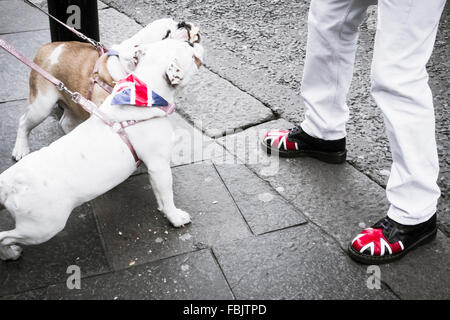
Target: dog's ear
pixel 198 56
pixel 131 57
pixel 174 73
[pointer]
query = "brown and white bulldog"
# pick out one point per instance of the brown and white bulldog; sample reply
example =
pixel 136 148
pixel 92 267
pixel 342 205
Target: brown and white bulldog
pixel 73 63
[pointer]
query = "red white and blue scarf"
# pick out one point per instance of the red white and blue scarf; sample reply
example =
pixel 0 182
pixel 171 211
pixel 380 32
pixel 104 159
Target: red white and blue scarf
pixel 134 91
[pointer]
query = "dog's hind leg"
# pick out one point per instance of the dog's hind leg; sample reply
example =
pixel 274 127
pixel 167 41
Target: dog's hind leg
pixel 38 110
pixel 69 121
pixel 29 232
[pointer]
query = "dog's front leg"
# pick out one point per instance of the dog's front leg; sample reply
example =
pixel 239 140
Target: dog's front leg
pixel 161 181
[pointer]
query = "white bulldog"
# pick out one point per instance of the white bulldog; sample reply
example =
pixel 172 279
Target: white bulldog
pixel 42 189
pixel 73 63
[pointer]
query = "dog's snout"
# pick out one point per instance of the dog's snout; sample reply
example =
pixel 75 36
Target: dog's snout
pixel 193 33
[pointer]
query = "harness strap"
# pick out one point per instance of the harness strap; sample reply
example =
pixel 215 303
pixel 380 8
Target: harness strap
pixel 96 79
pixel 118 127
pixel 86 104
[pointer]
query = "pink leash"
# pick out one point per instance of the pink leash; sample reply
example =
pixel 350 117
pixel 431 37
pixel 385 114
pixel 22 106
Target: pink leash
pixel 101 49
pixel 96 44
pixel 86 104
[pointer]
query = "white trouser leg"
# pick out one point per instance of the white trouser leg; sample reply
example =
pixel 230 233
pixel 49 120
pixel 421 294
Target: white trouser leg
pixel 330 54
pixel 404 41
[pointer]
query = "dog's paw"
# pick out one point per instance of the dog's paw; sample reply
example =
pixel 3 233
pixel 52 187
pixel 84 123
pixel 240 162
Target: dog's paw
pixel 20 151
pixel 179 218
pixel 12 252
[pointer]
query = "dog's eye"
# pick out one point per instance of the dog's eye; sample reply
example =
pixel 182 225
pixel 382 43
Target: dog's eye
pixel 167 34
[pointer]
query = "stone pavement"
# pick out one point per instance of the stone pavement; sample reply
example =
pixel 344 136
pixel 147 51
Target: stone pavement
pixel 263 228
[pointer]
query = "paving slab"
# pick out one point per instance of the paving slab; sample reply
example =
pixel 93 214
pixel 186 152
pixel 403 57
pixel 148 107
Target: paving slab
pixel 216 106
pixel 263 208
pixel 295 263
pixel 135 232
pixel 78 244
pixel 41 136
pixel 17 16
pixel 102 5
pixel 14 73
pixel 190 276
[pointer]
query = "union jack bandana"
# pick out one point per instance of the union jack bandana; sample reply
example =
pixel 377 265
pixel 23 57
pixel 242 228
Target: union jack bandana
pixel 134 91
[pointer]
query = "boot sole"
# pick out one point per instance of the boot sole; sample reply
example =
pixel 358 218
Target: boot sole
pixel 365 259
pixel 328 157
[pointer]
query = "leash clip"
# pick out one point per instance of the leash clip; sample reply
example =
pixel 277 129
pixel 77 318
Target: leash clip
pixel 60 86
pixel 74 95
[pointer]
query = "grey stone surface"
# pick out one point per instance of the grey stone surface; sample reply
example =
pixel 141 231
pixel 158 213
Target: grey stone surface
pixel 115 26
pixel 41 136
pixel 36 294
pixel 215 106
pixel 17 16
pixel 337 197
pixel 262 207
pixel 101 5
pixel 135 232
pixel 78 244
pixel 423 273
pixel 266 60
pixel 43 4
pixel 185 277
pixel 296 263
pixel 13 72
pixel 191 145
pixel 245 144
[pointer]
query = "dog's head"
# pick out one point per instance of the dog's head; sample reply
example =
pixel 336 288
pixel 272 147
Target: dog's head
pixel 174 60
pixel 162 29
pixel 133 49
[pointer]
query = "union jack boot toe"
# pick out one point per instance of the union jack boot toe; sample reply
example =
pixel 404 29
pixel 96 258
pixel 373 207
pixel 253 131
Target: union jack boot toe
pixel 387 240
pixel 297 143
